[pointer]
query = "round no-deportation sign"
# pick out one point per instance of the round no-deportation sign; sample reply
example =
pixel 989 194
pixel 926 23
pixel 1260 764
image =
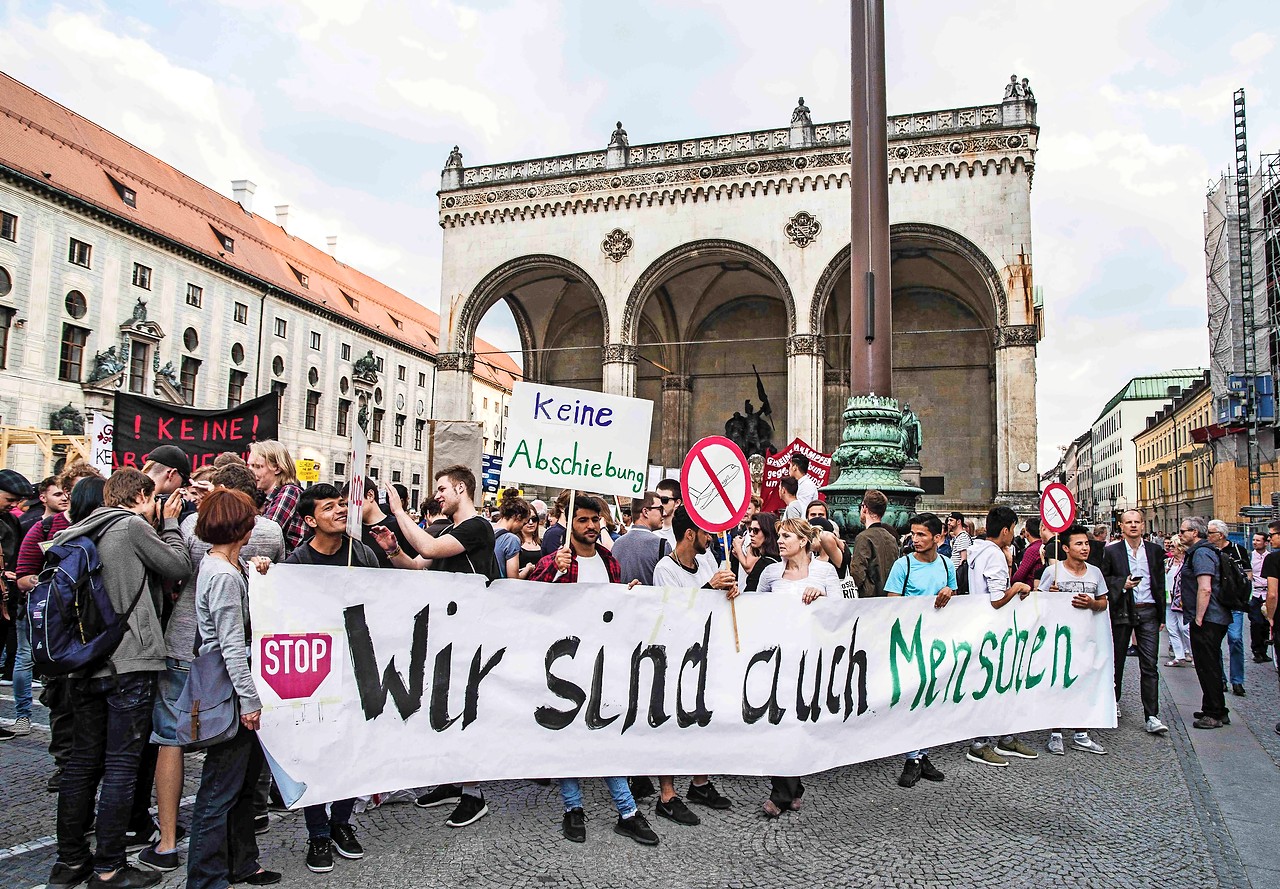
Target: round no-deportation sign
pixel 1057 508
pixel 715 484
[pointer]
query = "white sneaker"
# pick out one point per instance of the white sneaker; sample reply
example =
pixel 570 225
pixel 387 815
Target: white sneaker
pixel 21 726
pixel 6 683
pixel 1088 745
pixel 1156 727
pixel 1055 745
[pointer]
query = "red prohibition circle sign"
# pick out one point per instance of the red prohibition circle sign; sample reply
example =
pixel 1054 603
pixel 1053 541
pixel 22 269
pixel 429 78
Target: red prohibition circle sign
pixel 715 483
pixel 1057 508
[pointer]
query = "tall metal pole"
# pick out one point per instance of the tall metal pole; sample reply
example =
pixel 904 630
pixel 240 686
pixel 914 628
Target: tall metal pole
pixel 871 357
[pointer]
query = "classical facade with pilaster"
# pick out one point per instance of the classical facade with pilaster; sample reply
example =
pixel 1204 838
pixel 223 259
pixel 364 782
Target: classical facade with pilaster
pixel 679 271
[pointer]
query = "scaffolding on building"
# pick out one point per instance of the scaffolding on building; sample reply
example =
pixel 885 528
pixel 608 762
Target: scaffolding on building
pixel 1250 368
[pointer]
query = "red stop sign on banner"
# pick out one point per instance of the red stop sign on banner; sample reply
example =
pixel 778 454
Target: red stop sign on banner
pixel 294 664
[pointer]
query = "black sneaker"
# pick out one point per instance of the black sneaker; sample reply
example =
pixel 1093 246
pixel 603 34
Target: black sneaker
pixel 637 828
pixel 677 811
pixel 575 825
pixel 707 795
pixel 140 836
pixel 641 787
pixel 1225 720
pixel 261 823
pixel 263 877
pixel 470 810
pixel 319 856
pixel 69 874
pixel 1237 689
pixel 127 877
pixel 153 859
pixel 345 842
pixel 6 735
pixel 910 773
pixel 928 771
pixel 444 795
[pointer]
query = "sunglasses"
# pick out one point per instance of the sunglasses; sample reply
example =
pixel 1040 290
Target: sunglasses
pixel 665 500
pixel 756 531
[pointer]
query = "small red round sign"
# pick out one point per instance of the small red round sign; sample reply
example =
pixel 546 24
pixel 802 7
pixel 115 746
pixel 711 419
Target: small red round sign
pixel 1057 508
pixel 715 483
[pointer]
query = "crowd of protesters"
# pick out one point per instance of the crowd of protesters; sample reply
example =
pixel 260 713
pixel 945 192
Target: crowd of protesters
pixel 177 547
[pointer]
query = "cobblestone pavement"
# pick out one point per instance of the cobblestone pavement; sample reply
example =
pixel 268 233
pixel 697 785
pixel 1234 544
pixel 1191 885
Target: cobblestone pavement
pixel 1143 816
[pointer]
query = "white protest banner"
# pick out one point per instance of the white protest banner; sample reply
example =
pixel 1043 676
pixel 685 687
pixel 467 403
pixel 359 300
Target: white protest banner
pixel 358 458
pixel 573 438
pixel 433 678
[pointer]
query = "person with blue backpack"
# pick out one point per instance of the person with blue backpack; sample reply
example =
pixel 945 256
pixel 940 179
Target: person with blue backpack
pixel 110 566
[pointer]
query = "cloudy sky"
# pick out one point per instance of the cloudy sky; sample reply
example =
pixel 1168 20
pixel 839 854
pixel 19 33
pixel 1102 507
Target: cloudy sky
pixel 346 110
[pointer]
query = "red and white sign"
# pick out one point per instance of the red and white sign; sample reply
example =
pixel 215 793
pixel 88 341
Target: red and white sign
pixel 715 482
pixel 778 466
pixel 294 665
pixel 1057 508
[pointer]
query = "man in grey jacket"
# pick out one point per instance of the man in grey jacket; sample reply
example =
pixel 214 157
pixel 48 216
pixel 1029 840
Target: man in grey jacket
pixel 112 704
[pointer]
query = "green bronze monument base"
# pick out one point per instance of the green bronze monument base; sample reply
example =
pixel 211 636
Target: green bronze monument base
pixel 871 456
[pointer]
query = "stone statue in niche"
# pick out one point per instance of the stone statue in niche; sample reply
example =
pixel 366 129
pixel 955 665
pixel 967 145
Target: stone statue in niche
pixel 909 427
pixel 801 117
pixel 758 432
pixel 106 364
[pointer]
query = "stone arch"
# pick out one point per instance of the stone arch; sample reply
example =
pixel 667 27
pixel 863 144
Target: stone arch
pixel 931 236
pixel 668 262
pixel 492 288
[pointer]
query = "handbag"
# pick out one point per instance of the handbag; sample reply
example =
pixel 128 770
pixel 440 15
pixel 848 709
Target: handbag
pixel 208 709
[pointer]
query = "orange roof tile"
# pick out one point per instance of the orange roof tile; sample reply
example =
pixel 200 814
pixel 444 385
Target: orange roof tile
pixel 50 143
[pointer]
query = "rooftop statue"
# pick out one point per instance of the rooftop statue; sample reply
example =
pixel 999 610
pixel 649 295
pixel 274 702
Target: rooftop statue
pixel 619 137
pixel 800 117
pixel 455 159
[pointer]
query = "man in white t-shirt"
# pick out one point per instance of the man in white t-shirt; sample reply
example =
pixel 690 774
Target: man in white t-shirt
pixel 1088 589
pixel 685 568
pixel 671 499
pixel 806 488
pixel 989 576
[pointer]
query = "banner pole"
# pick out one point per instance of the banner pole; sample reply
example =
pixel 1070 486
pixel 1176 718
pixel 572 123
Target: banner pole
pixel 568 519
pixel 733 603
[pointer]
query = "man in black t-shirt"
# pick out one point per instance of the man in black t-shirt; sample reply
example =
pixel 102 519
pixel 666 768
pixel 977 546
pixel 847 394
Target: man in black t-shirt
pixel 464 546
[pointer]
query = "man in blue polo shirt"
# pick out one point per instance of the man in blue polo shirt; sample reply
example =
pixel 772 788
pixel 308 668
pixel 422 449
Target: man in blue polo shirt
pixel 922 573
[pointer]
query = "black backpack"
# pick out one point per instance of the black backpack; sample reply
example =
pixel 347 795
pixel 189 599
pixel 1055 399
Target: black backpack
pixel 1234 589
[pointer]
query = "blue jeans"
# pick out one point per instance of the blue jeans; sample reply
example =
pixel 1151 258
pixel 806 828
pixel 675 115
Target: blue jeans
pixel 112 722
pixel 22 669
pixel 224 847
pixel 320 822
pixel 1235 645
pixel 916 754
pixel 571 795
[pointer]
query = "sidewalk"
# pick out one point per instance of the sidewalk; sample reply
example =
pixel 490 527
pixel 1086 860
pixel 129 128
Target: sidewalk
pixel 1241 771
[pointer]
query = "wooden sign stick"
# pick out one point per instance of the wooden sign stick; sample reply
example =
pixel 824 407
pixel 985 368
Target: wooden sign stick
pixel 733 603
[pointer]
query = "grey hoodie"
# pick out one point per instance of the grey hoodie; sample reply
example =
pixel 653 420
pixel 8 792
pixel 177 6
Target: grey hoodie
pixel 133 553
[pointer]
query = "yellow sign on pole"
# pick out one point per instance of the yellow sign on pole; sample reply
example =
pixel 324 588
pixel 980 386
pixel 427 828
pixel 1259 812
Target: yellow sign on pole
pixel 308 470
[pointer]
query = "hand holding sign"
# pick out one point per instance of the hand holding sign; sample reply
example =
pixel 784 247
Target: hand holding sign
pixel 715 483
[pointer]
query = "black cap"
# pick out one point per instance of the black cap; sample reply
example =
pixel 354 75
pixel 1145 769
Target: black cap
pixel 16 483
pixel 823 523
pixel 958 516
pixel 173 457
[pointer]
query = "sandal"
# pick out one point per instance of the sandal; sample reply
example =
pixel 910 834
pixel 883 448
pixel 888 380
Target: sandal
pixel 1173 662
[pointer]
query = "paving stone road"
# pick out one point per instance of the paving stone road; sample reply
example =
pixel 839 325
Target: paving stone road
pixel 1143 816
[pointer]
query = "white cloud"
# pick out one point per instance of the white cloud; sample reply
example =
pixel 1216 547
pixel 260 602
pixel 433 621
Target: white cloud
pixel 1253 48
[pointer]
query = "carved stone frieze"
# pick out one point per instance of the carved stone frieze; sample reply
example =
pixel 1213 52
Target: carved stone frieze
pixel 619 353
pixel 803 229
pixel 461 361
pixel 805 344
pixel 1015 335
pixel 677 383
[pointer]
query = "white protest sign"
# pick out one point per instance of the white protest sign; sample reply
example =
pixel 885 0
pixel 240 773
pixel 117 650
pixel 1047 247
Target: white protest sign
pixel 100 442
pixel 358 457
pixel 435 678
pixel 573 438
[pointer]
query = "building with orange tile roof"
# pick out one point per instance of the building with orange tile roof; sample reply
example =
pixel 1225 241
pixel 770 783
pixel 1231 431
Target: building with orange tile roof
pixel 96 234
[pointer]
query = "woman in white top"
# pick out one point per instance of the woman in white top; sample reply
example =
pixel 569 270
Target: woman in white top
pixel 798 574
